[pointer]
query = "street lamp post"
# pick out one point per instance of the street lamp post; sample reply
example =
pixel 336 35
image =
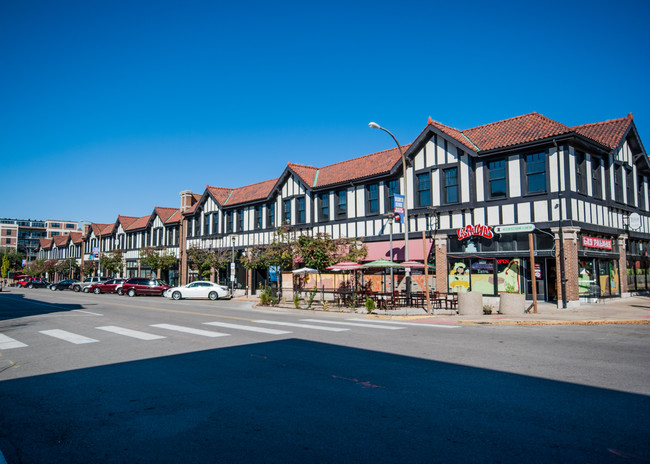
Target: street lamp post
pixel 374 125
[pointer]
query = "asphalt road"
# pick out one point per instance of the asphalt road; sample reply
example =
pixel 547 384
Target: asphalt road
pixel 103 378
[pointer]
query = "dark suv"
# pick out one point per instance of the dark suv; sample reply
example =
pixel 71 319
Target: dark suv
pixel 141 286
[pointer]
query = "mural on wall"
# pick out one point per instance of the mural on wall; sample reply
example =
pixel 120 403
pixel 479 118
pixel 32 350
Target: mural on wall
pixel 480 276
pixel 458 278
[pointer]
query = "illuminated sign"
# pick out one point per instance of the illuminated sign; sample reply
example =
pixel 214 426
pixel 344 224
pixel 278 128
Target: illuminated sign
pixel 478 229
pixel 594 242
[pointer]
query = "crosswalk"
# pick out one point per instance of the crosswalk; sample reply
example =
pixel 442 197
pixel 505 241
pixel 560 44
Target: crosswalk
pixel 257 326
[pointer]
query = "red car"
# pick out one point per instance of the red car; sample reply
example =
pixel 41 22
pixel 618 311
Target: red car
pixel 110 286
pixel 33 282
pixel 143 286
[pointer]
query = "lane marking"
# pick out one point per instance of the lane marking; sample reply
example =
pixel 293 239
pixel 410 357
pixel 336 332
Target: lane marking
pixel 88 312
pixel 248 328
pixel 303 326
pixel 354 324
pixel 68 336
pixel 179 328
pixel 7 343
pixel 130 333
pixel 414 324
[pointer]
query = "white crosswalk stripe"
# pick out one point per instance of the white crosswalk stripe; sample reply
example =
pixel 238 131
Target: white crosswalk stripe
pixel 7 343
pixel 302 326
pixel 190 330
pixel 354 324
pixel 68 336
pixel 248 328
pixel 130 333
pixel 414 324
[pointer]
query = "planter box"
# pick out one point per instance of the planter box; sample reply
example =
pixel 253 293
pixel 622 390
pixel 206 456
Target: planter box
pixel 470 303
pixel 512 303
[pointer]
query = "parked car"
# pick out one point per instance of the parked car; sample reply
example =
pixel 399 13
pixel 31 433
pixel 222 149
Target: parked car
pixel 142 286
pixel 33 282
pixel 198 289
pixel 110 286
pixel 85 285
pixel 63 285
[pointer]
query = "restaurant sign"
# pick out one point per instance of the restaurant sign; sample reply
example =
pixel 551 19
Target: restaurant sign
pixel 594 242
pixel 478 229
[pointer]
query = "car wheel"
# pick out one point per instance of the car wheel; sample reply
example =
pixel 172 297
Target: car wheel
pixel 86 289
pixel 97 291
pixel 213 296
pixel 131 292
pixel 76 288
pixel 177 295
pixel 53 289
pixel 31 285
pixel 119 291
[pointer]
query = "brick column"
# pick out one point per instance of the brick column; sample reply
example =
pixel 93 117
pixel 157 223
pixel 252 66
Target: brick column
pixel 571 270
pixel 440 244
pixel 622 264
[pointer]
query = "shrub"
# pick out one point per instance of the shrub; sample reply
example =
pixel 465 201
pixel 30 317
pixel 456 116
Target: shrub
pixel 266 297
pixel 312 295
pixel 370 305
pixel 325 305
pixel 296 301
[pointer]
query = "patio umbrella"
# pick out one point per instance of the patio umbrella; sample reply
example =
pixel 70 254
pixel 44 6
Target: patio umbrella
pixel 414 264
pixel 305 270
pixel 345 266
pixel 382 263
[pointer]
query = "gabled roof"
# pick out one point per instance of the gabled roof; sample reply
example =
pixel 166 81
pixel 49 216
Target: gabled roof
pixel 165 213
pixel 139 223
pixel 101 229
pixel 253 192
pixel 219 194
pixel 76 237
pixel 126 221
pixel 609 133
pixel 532 127
pixel 174 218
pixel 306 173
pixel 45 243
pixel 373 164
pixel 61 240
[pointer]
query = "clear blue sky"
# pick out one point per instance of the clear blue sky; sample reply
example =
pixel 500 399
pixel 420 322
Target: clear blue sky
pixel 114 107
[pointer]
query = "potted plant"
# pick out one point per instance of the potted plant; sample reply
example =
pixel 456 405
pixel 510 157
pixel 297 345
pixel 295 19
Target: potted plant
pixel 512 302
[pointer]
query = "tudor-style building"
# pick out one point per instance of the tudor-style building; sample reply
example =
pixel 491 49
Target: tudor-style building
pixel 580 187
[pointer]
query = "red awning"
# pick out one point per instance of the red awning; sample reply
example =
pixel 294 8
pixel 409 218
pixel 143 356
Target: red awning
pixel 381 250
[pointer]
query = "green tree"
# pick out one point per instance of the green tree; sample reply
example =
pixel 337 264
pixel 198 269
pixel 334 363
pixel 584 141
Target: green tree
pixel 4 271
pixel 67 267
pixel 157 260
pixel 112 262
pixel 35 268
pixel 89 267
pixel 205 260
pixel 280 252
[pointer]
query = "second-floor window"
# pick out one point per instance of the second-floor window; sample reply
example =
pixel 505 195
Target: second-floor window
pixel 536 173
pixel 372 204
pixel 392 189
pixel 423 186
pixel 341 203
pixel 286 212
pixel 240 216
pixel 641 191
pixel 301 214
pixel 270 221
pixel 497 179
pixel 618 183
pixel 581 172
pixel 258 216
pixel 215 223
pixel 596 178
pixel 629 184
pixel 324 207
pixel 229 221
pixel 206 223
pixel 450 185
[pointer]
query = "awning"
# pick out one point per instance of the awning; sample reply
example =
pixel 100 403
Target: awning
pixel 381 250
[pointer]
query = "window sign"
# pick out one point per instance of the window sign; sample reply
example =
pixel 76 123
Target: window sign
pixel 594 242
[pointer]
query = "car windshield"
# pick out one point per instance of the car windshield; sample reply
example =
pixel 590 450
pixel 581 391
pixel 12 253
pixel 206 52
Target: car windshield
pixel 161 282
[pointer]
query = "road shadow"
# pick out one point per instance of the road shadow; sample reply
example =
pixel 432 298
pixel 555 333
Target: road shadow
pixel 301 401
pixel 15 305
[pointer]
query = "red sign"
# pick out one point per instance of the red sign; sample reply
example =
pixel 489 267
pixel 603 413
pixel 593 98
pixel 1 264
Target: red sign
pixel 594 242
pixel 478 229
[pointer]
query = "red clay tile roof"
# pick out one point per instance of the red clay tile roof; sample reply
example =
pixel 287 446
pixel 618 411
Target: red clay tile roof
pixel 165 213
pixel 174 218
pixel 220 194
pixel 514 131
pixel 139 223
pixel 126 221
pixel 358 168
pixel 608 133
pixel 530 127
pixel 45 243
pixel 99 229
pixel 306 173
pixel 258 191
pixel 76 237
pixel 61 240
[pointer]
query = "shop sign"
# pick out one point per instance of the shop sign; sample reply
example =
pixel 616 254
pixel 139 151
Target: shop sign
pixel 515 228
pixel 399 208
pixel 594 242
pixel 478 229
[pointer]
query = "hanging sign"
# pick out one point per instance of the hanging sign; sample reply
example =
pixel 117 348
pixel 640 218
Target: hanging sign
pixel 594 242
pixel 515 228
pixel 478 229
pixel 399 208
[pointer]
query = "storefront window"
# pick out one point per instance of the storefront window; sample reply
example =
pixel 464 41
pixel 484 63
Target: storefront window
pixel 608 277
pixel 587 284
pixel 482 276
pixel 458 275
pixel 509 275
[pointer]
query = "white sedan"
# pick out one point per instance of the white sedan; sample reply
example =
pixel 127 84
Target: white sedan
pixel 198 290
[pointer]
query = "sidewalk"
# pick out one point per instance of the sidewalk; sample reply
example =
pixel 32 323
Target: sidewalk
pixel 633 310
